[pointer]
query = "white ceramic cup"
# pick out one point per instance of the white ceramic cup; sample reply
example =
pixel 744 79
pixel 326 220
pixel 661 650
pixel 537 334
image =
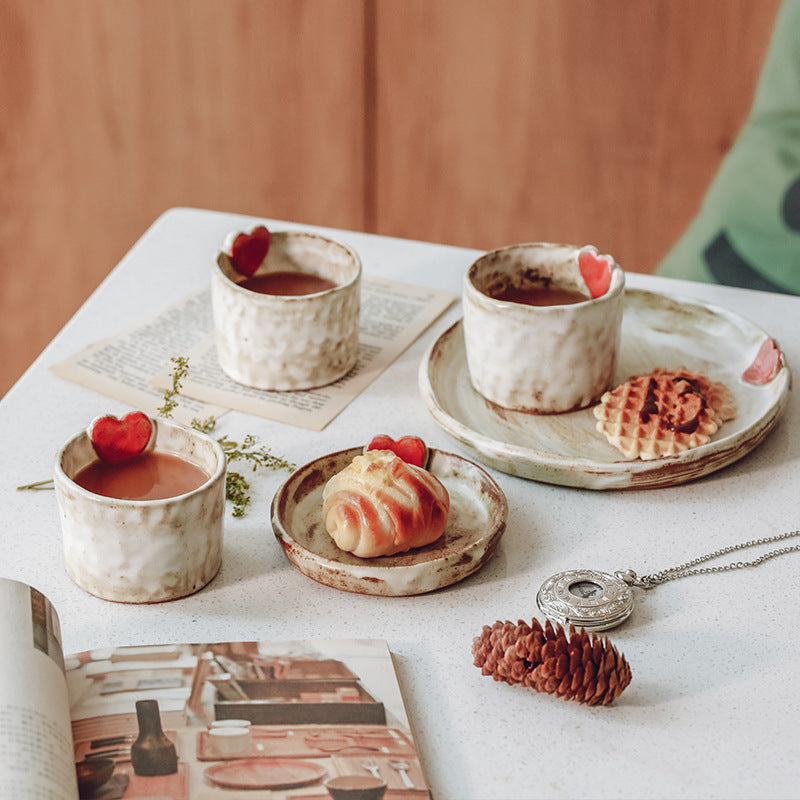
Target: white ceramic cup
pixel 540 358
pixel 286 343
pixel 230 741
pixel 143 551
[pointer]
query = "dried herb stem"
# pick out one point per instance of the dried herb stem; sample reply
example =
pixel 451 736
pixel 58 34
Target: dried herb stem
pixel 237 490
pixel 256 456
pixel 206 425
pixel 39 486
pixel 180 371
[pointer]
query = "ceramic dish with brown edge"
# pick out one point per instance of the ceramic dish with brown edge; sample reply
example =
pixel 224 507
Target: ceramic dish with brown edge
pixel 476 521
pixel 265 773
pixel 566 449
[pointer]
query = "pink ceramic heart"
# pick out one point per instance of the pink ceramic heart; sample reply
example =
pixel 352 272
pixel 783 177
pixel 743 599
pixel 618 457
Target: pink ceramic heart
pixel 250 249
pixel 117 440
pixel 765 364
pixel 410 448
pixel 595 270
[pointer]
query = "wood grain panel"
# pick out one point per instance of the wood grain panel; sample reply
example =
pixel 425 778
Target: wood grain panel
pixel 115 111
pixel 568 121
pixel 460 121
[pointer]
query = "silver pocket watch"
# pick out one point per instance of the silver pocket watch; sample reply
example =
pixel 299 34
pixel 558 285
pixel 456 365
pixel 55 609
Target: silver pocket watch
pixel 594 600
pixel 586 598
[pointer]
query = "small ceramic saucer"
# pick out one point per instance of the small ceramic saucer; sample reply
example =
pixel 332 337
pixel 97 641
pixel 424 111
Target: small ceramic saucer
pixel 477 520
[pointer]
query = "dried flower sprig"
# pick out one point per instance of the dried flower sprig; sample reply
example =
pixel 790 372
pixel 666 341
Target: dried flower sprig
pixel 249 451
pixel 237 487
pixel 237 491
pixel 180 371
pixel 39 486
pixel 206 425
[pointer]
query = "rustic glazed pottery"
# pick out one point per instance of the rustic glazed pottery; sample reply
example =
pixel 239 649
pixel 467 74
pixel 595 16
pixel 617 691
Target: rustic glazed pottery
pixel 542 359
pixel 143 551
pixel 92 774
pixel 153 752
pixel 289 342
pixel 475 524
pixel 356 787
pixel 567 449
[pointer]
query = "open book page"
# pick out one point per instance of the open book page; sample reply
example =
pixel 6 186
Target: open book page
pixel 122 366
pixel 134 366
pixel 393 315
pixel 255 716
pixel 35 738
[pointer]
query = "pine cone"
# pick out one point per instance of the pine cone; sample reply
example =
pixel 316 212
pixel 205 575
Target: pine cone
pixel 576 666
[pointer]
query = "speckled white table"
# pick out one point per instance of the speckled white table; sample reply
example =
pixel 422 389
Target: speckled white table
pixel 714 704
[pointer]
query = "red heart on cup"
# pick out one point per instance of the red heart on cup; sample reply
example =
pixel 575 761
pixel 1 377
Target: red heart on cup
pixel 410 448
pixel 250 249
pixel 764 365
pixel 596 270
pixel 117 440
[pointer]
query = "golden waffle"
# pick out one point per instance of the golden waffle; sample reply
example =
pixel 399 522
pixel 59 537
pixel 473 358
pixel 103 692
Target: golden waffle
pixel 718 396
pixel 663 413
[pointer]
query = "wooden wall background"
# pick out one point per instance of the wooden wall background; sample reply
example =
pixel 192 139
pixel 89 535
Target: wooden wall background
pixel 470 122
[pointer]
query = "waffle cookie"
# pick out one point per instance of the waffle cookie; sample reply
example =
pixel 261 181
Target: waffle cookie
pixel 663 413
pixel 718 396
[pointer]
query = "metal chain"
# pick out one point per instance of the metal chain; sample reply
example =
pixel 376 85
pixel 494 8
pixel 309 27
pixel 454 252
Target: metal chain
pixel 684 570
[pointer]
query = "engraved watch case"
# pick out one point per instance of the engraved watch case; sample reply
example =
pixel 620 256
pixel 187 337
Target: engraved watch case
pixel 586 598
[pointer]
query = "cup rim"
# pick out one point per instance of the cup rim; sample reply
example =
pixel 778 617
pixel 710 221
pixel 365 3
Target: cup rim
pixel 229 732
pixel 380 783
pixel 616 285
pixel 220 724
pixel 294 298
pixel 61 475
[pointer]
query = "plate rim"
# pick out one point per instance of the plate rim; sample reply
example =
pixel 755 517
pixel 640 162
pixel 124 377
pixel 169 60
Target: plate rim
pixel 548 467
pixel 373 575
pixel 210 770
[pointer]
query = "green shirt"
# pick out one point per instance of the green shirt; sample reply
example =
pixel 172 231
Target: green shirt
pixel 747 232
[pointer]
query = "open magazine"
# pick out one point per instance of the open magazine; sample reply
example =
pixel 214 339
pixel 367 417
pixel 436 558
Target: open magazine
pixel 196 721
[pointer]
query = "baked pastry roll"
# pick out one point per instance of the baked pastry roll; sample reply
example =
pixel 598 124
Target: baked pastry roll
pixel 378 506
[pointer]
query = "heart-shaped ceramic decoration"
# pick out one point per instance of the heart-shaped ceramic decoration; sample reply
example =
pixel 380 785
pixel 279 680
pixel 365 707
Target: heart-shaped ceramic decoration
pixel 250 249
pixel 765 364
pixel 595 270
pixel 116 440
pixel 409 448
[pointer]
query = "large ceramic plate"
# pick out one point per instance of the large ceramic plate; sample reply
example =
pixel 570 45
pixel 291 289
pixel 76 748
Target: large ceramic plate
pixel 566 449
pixel 265 773
pixel 475 524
